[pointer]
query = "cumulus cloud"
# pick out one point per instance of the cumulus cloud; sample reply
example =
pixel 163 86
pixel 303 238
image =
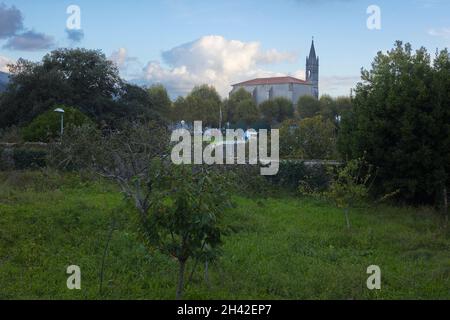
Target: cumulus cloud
pixel 75 36
pixel 11 21
pixel 212 60
pixel 30 41
pixel 129 67
pixel 4 61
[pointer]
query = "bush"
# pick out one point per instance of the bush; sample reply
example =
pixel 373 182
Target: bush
pixel 47 126
pixel 295 174
pixel 29 159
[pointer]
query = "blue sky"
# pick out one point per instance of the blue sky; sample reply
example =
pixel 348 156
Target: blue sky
pixel 184 43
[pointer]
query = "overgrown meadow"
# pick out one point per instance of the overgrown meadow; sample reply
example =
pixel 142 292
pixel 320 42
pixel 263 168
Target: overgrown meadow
pixel 275 247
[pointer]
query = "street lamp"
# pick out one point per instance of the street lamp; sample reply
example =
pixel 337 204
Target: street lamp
pixel 61 111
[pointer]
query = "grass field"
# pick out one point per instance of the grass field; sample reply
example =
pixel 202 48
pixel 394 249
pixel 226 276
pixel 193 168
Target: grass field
pixel 280 248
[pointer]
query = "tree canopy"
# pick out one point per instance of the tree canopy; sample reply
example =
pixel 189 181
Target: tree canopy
pixel 203 103
pixel 84 79
pixel 401 123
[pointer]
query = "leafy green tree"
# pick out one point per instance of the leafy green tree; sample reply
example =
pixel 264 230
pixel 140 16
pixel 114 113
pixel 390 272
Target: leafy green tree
pixel 160 98
pixel 308 107
pixel 185 216
pixel 276 110
pixel 310 138
pixel 400 123
pixel 246 113
pixel 47 126
pixel 240 109
pixel 84 79
pixel 350 187
pixel 202 104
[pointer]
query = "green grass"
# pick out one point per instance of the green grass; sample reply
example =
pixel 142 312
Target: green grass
pixel 284 248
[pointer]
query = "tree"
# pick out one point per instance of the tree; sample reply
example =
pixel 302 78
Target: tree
pixel 185 217
pixel 276 110
pixel 400 123
pixel 332 108
pixel 311 138
pixel 202 104
pixel 160 98
pixel 180 208
pixel 246 113
pixel 350 186
pixel 308 107
pixel 240 109
pixel 84 79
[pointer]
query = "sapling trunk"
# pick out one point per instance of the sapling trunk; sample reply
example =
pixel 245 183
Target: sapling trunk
pixel 182 265
pixel 347 219
pixel 445 205
pixel 207 274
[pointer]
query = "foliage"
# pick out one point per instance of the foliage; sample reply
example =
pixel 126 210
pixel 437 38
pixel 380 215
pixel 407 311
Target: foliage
pixel 308 107
pixel 52 220
pixel 202 104
pixel 294 174
pixel 186 212
pixel 276 110
pixel 25 158
pixel 11 135
pixel 84 79
pixel 159 97
pixel 47 126
pixel 350 187
pixel 240 110
pixel 401 123
pixel 310 138
pixel 331 108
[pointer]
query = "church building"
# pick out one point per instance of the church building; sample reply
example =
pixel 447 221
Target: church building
pixel 263 89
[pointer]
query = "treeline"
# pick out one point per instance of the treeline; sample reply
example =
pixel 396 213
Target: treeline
pixel 398 120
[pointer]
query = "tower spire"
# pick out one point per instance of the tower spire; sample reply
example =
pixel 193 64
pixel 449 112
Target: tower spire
pixel 312 69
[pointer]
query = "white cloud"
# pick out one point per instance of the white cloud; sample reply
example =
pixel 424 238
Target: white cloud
pixel 211 60
pixel 129 67
pixel 441 32
pixel 216 61
pixel 4 61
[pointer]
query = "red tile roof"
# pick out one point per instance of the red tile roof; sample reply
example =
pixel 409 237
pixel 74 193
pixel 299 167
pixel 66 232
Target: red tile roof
pixel 269 81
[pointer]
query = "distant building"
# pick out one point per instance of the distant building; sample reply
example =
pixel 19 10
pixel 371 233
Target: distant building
pixel 264 89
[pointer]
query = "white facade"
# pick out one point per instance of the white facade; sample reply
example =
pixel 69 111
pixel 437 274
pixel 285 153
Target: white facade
pixel 263 92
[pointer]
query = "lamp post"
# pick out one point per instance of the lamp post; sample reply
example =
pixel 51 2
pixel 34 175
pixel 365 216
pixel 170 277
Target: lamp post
pixel 61 111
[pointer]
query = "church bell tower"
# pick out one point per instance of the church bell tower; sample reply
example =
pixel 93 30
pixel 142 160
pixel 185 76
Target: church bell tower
pixel 312 70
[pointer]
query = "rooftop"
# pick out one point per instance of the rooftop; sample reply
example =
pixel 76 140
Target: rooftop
pixel 269 81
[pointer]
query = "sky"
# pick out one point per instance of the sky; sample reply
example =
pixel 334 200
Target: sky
pixel 184 43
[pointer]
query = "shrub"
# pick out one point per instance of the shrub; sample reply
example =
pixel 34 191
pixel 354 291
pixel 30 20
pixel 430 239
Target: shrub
pixel 293 174
pixel 47 126
pixel 29 159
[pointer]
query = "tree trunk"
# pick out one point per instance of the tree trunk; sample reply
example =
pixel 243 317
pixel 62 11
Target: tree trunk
pixel 207 274
pixel 347 219
pixel 181 279
pixel 444 194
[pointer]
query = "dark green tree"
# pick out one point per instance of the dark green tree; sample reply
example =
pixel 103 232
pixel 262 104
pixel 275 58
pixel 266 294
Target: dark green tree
pixel 47 126
pixel 400 123
pixel 84 79
pixel 276 110
pixel 240 109
pixel 308 107
pixel 202 104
